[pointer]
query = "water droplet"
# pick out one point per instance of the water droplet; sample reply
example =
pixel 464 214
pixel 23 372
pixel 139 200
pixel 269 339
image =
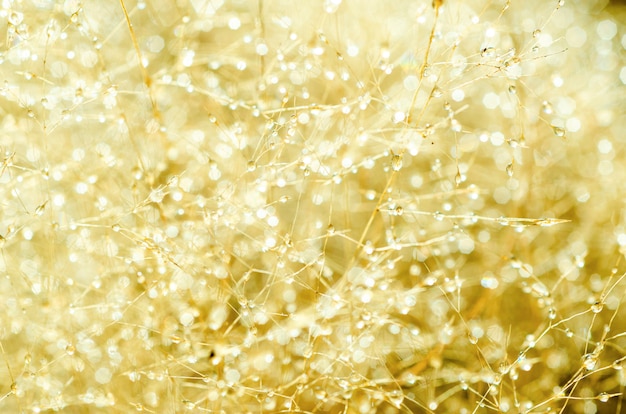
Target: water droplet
pixel 251 166
pixel 552 313
pixel 558 131
pixel 579 261
pixel 176 339
pixel 603 397
pixel 399 210
pixel 489 281
pixel 503 368
pixel 15 18
pixel 458 179
pixel 488 52
pixel 597 307
pixel 396 397
pixel 569 333
pixel 472 339
pixel 330 229
pixel 428 130
pixel 617 365
pixel 589 361
pixel 369 248
pixel 308 352
pixel 70 349
pixel 536 33
pixel 40 209
pixel 512 90
pixel 396 162
pixel 398 117
pixel 509 169
pixel 320 394
pixel 546 107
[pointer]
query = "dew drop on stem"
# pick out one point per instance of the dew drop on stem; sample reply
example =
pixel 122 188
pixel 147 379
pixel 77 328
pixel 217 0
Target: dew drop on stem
pixel 558 131
pixel 509 170
pixel 396 162
pixel 597 307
